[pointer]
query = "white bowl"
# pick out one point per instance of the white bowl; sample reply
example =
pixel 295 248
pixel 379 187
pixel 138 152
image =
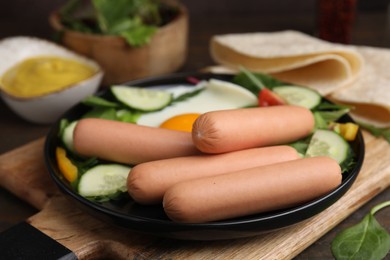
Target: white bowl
pixel 44 109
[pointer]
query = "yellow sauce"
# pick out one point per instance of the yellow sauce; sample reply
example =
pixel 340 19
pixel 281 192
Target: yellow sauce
pixel 44 74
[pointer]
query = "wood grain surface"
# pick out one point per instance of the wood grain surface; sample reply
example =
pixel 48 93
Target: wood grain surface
pixel 22 171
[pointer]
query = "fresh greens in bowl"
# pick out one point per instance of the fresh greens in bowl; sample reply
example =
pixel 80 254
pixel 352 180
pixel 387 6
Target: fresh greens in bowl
pixel 134 20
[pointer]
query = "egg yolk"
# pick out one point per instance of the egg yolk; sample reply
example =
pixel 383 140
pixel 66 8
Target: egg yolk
pixel 181 122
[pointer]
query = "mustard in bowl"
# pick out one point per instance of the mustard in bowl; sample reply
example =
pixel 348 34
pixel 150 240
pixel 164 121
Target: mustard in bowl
pixel 40 80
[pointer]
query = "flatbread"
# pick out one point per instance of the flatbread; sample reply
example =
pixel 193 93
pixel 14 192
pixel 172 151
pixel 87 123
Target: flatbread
pixel 370 94
pixel 291 56
pixel 353 75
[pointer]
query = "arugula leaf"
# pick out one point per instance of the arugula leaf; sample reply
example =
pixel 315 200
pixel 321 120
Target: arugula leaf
pixel 349 162
pixel 386 135
pixel 319 121
pixel 331 106
pixel 301 145
pixel 187 95
pixel 82 165
pixel 102 112
pixel 63 124
pixel 256 81
pixel 366 240
pixel 332 116
pixel 377 131
pixel 95 101
pixel 127 116
pixel 105 109
pixel 119 195
pixel 267 81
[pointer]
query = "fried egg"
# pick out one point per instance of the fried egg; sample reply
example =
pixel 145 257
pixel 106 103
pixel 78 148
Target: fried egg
pixel 216 95
pixel 181 122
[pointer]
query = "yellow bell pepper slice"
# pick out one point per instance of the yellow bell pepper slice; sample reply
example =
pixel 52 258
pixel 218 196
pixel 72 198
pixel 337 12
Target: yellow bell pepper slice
pixel 349 131
pixel 67 168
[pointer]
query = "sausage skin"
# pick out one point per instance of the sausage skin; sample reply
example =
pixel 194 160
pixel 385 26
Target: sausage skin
pixel 129 143
pixel 251 191
pixel 230 130
pixel 148 182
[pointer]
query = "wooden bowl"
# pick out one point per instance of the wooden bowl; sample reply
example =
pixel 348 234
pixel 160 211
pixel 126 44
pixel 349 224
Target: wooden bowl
pixel 165 53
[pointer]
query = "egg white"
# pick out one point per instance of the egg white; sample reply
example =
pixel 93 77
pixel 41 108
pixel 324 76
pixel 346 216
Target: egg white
pixel 217 95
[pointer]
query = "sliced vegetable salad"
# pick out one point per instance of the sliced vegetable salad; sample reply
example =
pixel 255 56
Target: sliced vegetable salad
pixel 329 137
pixel 128 104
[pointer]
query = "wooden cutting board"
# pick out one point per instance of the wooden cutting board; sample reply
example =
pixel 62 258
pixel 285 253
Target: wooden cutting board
pixel 22 171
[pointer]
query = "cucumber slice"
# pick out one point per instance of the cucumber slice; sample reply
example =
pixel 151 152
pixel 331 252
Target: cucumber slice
pixel 104 180
pixel 328 143
pixel 299 96
pixel 67 136
pixel 142 99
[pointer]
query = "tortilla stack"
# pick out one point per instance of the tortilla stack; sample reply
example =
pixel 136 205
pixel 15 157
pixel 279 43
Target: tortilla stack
pixel 345 74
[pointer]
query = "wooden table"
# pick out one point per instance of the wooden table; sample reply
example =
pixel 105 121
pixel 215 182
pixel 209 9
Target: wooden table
pixel 369 30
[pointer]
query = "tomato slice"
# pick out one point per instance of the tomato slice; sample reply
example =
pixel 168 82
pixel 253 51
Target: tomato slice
pixel 269 98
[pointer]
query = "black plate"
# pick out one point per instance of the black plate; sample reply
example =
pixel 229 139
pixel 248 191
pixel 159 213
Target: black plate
pixel 152 220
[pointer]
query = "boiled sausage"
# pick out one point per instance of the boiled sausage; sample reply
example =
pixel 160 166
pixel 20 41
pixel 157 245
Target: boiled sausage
pixel 237 129
pixel 252 191
pixel 148 182
pixel 129 143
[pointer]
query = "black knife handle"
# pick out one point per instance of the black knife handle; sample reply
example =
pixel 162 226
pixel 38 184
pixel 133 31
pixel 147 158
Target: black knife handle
pixel 24 241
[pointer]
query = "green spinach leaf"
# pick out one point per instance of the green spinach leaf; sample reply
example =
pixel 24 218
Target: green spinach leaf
pixel 366 240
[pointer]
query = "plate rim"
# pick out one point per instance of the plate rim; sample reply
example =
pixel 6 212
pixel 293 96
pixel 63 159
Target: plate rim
pixel 169 226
